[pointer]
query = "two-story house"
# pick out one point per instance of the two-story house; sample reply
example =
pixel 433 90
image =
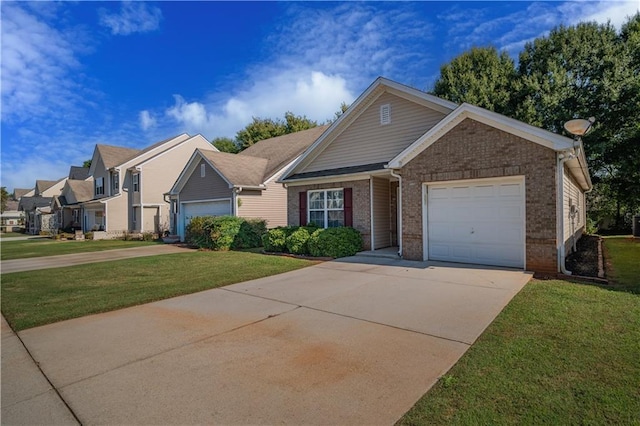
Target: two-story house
pixel 128 185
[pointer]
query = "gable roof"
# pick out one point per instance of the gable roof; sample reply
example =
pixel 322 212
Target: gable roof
pixel 20 192
pixel 43 185
pixel 114 155
pixel 31 203
pixel 12 205
pixel 518 128
pixel 78 173
pixel 281 150
pixel 379 86
pixel 82 190
pixel 238 170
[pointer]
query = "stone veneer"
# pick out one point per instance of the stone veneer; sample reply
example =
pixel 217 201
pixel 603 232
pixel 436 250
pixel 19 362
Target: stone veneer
pixel 361 205
pixel 473 150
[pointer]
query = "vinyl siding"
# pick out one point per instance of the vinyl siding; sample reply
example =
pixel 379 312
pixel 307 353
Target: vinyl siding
pixel 572 195
pixel 381 213
pixel 270 204
pixel 150 219
pixel 100 172
pixel 366 141
pixel 207 188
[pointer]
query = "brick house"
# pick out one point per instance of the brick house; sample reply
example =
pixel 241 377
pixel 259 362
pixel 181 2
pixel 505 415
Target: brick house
pixel 442 181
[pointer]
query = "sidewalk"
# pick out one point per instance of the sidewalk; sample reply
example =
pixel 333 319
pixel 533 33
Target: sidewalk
pixel 27 396
pixel 35 263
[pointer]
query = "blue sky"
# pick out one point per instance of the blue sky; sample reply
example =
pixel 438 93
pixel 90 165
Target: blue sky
pixel 74 74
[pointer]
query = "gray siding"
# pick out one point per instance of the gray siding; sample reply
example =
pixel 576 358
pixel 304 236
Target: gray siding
pixel 366 141
pixel 381 216
pixel 205 188
pixel 573 195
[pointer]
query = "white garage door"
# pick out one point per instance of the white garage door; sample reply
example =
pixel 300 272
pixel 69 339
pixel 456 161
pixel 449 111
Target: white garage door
pixel 208 208
pixel 480 221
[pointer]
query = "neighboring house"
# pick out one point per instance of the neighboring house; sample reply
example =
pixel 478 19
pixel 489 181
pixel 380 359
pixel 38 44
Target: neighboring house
pixel 128 184
pixel 68 206
pixel 244 184
pixel 443 182
pixel 37 215
pixel 11 219
pixel 36 205
pixel 21 192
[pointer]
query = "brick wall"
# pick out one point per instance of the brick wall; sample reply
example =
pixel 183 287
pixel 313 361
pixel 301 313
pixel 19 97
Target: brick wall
pixel 361 206
pixel 473 150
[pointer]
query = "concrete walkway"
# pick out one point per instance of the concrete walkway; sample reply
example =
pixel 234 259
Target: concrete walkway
pixel 356 341
pixel 35 263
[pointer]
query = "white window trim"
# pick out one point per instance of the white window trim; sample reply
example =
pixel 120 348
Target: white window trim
pixel 325 210
pixel 135 179
pixel 99 185
pixel 115 182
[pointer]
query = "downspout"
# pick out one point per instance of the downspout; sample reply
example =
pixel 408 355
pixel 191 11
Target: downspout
pixel 563 157
pixel 399 177
pixel 236 190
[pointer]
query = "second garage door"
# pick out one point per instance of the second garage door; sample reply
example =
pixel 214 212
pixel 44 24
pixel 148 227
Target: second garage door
pixel 479 221
pixel 206 208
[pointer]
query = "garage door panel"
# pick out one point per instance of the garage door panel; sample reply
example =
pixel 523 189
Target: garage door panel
pixel 209 208
pixel 480 222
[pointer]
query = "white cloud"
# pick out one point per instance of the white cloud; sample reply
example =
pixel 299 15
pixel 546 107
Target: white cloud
pixel 37 63
pixel 146 120
pixel 311 93
pixel 319 58
pixel 473 27
pixel 133 17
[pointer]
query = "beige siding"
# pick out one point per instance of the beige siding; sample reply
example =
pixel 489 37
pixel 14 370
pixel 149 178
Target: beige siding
pixel 117 215
pixel 54 190
pixel 366 141
pixel 381 217
pixel 150 219
pixel 270 204
pixel 573 195
pixel 100 172
pixel 209 187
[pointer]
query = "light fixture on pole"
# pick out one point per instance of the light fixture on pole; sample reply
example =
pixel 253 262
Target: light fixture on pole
pixel 578 128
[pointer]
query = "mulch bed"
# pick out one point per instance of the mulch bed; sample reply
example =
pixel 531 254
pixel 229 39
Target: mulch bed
pixel 584 262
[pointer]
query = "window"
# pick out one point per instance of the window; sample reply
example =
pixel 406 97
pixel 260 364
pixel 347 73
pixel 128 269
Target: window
pixel 326 208
pixel 115 183
pixel 202 168
pixel 385 114
pixel 136 182
pixel 99 184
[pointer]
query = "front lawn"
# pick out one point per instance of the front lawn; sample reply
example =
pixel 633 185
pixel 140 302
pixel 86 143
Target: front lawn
pixel 12 234
pixel 47 247
pixel 622 256
pixel 35 298
pixel 559 353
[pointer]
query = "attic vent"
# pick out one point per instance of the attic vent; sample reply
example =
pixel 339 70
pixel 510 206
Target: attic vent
pixel 202 170
pixel 385 114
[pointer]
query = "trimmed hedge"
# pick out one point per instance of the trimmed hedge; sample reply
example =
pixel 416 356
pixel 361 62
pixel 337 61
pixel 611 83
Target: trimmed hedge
pixel 331 242
pixel 225 232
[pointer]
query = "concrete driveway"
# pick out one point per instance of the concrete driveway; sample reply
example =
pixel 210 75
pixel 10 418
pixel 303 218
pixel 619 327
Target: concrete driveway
pixel 356 341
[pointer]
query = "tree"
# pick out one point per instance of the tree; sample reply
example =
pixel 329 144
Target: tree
pixel 226 145
pixel 579 71
pixel 590 70
pixel 480 76
pixel 4 196
pixel 86 163
pixel 265 128
pixel 343 108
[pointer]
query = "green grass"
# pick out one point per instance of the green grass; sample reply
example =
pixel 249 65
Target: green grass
pixel 36 298
pixel 47 247
pixel 622 256
pixel 559 353
pixel 12 234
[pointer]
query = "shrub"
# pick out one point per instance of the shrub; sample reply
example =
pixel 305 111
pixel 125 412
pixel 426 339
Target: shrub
pixel 250 234
pixel 296 242
pixel 225 232
pixel 147 236
pixel 88 236
pixel 335 242
pixel 275 240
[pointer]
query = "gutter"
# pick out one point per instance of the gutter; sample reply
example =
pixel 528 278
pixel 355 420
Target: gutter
pixel 563 157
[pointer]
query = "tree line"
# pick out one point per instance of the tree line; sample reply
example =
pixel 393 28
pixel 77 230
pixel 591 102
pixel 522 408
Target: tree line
pixel 581 71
